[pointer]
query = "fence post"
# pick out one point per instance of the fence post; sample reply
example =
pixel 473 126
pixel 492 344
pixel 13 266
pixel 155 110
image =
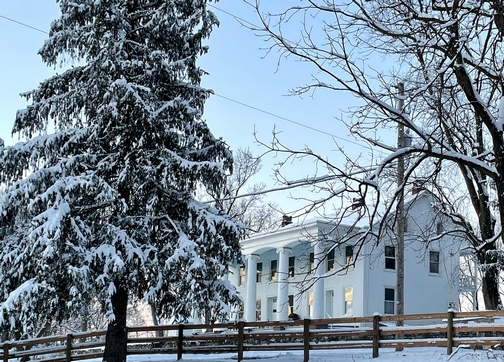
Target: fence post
pixel 6 349
pixel 241 327
pixel 68 352
pixel 180 339
pixel 376 335
pixel 449 332
pixel 306 339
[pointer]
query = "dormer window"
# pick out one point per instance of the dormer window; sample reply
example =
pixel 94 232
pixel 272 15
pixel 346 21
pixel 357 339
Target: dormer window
pixel 390 258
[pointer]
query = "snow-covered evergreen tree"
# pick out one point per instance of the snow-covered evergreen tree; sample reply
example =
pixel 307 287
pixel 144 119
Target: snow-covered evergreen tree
pixel 104 206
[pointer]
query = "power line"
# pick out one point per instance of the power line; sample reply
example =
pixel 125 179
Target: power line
pixel 23 24
pixel 224 97
pixel 300 183
pixel 233 15
pixel 210 5
pixel 289 185
pixel 241 20
pixel 287 119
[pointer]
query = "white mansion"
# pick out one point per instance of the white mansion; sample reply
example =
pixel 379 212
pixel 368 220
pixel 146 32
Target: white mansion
pixel 295 270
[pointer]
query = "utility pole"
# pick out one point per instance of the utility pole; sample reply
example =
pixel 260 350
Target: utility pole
pixel 400 216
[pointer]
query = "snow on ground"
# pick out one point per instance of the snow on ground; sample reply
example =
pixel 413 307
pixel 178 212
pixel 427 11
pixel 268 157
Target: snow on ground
pixel 431 354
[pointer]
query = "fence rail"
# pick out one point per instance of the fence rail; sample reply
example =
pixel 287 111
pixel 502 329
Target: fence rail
pixel 449 330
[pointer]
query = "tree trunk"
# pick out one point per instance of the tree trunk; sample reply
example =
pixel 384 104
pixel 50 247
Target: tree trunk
pixel 155 319
pixel 116 339
pixel 84 322
pixel 490 279
pixel 490 288
pixel 208 319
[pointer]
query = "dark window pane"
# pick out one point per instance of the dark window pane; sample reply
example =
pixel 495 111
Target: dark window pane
pixel 390 251
pixel 273 265
pixel 349 251
pixel 389 294
pixel 330 260
pixel 330 264
pixel 291 266
pixel 292 261
pixel 349 254
pixel 390 263
pixel 434 262
pixel 434 256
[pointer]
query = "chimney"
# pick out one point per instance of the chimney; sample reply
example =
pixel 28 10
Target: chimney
pixel 417 186
pixel 286 220
pixel 357 203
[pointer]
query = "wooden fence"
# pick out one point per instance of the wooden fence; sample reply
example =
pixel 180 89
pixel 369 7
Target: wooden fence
pixel 449 330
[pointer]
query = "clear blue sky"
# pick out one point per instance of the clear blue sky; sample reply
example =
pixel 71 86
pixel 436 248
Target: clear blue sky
pixel 238 70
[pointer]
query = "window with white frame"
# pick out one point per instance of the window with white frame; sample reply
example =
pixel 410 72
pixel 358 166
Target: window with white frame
pixel 310 304
pixel 258 309
pixel 259 272
pixel 348 300
pixel 291 304
pixel 390 257
pixel 273 269
pixel 349 256
pixel 312 264
pixel 434 262
pixel 439 228
pixel 292 263
pixel 330 260
pixel 389 301
pixel 242 275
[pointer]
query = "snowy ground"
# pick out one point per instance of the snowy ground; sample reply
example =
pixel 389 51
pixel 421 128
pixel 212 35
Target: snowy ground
pixel 432 354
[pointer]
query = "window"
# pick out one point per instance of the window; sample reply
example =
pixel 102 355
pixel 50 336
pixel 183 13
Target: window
pixel 439 228
pixel 291 304
pixel 390 257
pixel 330 260
pixel 348 300
pixel 292 261
pixel 389 301
pixel 349 254
pixel 259 273
pixel 310 304
pixel 273 268
pixel 406 224
pixel 312 264
pixel 434 262
pixel 258 309
pixel 242 275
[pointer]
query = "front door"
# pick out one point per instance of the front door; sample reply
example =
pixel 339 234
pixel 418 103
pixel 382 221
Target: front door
pixel 272 308
pixel 329 304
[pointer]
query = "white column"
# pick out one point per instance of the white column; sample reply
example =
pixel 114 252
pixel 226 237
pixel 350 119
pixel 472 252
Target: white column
pixel 283 287
pixel 250 286
pixel 318 286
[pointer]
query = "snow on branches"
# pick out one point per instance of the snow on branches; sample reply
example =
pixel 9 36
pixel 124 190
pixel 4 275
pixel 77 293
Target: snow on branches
pixel 104 206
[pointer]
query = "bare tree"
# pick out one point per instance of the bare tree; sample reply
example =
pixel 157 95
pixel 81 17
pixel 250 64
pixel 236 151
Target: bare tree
pixel 449 54
pixel 243 199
